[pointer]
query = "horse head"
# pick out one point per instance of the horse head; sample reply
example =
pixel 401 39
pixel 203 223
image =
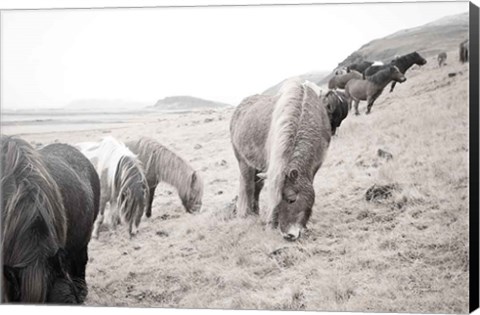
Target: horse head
pixel 193 200
pixel 293 212
pixel 337 108
pixel 419 60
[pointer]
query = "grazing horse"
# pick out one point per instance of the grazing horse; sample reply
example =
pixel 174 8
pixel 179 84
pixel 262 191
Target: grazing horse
pixel 441 58
pixel 123 183
pixel 337 108
pixel 339 81
pixel 50 201
pixel 359 67
pixel 162 165
pixel 464 48
pixel 370 89
pixel 403 63
pixel 283 139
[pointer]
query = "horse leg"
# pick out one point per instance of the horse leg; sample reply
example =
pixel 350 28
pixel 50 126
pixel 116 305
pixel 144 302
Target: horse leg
pixel 247 189
pixel 258 188
pixel 78 268
pixel 392 86
pixel 371 99
pixel 356 107
pixel 148 212
pixel 370 104
pixel 100 217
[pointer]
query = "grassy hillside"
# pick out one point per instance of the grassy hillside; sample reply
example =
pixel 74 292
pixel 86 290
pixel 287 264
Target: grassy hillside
pixel 430 39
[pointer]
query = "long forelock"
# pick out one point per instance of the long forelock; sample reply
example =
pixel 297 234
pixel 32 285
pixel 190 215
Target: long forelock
pixel 130 179
pixel 33 216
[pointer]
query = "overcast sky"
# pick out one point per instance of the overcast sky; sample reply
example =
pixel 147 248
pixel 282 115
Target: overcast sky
pixel 50 58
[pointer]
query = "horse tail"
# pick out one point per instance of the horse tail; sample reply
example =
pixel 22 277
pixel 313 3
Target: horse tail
pixel 286 118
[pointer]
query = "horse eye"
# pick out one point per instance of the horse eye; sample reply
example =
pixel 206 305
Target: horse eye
pixel 290 201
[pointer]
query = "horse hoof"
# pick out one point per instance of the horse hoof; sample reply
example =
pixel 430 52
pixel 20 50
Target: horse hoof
pixel 357 113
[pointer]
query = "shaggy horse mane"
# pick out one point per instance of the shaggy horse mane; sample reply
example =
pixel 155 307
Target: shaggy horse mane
pixel 286 119
pixel 33 217
pixel 168 166
pixel 129 176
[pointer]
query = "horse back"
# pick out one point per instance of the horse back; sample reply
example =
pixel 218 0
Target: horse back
pixel 143 156
pixel 249 129
pixel 80 189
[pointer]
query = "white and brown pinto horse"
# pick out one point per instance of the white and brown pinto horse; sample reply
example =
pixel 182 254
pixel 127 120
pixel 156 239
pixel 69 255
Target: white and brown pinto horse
pixel 123 183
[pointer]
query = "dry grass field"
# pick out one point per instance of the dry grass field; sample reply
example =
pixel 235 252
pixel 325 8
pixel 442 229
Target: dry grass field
pixel 405 253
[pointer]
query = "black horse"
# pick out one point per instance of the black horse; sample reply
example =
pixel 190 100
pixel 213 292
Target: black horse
pixel 360 66
pixel 403 63
pixel 49 203
pixel 337 108
pixel 463 54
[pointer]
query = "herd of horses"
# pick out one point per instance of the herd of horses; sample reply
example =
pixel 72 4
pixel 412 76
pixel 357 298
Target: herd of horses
pixel 365 81
pixel 55 199
pixel 463 54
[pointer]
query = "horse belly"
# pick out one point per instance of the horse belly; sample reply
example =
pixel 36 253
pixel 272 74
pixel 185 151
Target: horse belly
pixel 249 135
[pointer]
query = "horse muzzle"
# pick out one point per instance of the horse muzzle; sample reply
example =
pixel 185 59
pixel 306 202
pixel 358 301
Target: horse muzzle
pixel 293 233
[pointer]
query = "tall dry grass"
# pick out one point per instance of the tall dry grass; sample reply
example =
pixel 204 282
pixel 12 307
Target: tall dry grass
pixel 408 253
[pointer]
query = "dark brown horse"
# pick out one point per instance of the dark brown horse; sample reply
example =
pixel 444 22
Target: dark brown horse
pixel 464 49
pixel 339 81
pixel 49 203
pixel 371 88
pixel 360 66
pixel 403 63
pixel 337 108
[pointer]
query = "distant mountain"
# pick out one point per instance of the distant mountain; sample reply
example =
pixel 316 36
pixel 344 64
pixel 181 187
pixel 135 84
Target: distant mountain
pixel 104 104
pixel 186 103
pixel 315 77
pixel 430 39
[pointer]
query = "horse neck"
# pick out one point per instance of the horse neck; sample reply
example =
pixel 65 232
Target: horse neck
pixel 380 79
pixel 405 62
pixel 173 170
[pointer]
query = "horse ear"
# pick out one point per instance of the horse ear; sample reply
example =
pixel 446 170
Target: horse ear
pixel 293 174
